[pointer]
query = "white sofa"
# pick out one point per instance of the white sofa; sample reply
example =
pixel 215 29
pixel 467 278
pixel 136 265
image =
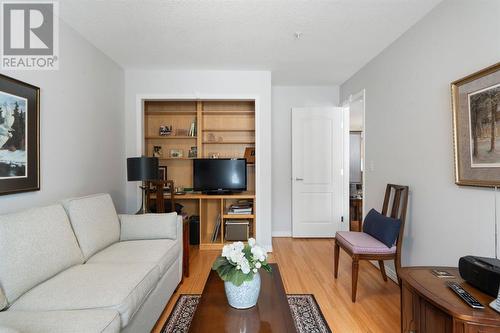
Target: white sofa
pixel 79 267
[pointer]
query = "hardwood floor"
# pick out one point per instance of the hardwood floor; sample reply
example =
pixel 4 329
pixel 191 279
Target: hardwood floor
pixel 306 266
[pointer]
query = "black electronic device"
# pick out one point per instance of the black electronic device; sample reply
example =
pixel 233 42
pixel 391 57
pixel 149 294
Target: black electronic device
pixel 482 273
pixel 220 176
pixel 464 295
pixel 194 230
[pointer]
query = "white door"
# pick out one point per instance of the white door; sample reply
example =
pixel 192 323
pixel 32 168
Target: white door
pixel 317 180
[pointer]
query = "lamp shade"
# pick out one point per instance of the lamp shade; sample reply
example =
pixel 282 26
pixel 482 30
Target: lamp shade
pixel 142 168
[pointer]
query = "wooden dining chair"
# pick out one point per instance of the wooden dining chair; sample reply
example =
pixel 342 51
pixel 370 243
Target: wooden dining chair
pixel 362 246
pixel 159 193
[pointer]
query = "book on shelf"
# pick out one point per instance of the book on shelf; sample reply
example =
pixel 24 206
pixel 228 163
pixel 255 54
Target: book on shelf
pixel 242 207
pixel 216 231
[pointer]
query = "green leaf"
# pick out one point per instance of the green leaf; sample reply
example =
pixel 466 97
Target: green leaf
pixel 220 261
pixel 266 267
pixel 239 277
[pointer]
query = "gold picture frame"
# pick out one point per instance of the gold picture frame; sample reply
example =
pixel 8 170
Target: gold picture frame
pixel 476 111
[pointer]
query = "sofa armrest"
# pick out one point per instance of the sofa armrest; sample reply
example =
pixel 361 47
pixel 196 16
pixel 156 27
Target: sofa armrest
pixel 150 226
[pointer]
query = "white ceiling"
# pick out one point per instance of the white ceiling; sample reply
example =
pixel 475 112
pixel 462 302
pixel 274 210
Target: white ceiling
pixel 338 36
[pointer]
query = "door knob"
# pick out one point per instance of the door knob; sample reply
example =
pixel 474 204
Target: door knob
pixel 299 179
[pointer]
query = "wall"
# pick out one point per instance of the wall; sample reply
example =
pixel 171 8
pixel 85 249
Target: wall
pixel 205 85
pixel 82 150
pixel 284 98
pixel 409 129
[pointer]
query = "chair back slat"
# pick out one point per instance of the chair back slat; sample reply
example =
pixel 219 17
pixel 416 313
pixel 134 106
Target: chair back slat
pixel 398 206
pixel 395 204
pixel 158 188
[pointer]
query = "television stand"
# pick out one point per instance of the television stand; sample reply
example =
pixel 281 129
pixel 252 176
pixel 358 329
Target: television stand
pixel 208 207
pixel 219 192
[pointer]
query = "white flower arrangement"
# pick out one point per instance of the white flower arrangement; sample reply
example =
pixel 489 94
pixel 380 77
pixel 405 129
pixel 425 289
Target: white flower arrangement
pixel 239 262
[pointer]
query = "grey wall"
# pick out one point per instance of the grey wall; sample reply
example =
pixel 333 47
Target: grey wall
pixel 82 126
pixel 283 99
pixel 409 129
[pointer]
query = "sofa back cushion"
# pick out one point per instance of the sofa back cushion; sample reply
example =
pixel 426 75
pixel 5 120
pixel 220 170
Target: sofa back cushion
pixel 35 245
pixel 94 222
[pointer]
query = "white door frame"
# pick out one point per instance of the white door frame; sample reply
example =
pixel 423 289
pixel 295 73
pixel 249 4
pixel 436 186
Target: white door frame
pixel 359 96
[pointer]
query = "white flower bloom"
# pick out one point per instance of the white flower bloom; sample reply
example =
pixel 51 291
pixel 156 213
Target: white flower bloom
pixel 251 242
pixel 238 246
pixel 258 264
pixel 255 270
pixel 245 266
pixel 226 250
pixel 238 267
pixel 259 253
pixel 236 257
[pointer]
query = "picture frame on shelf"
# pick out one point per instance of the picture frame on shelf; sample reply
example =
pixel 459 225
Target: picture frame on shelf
pixel 250 154
pixel 193 152
pixel 476 118
pixel 165 130
pixel 157 151
pixel 19 136
pixel 176 153
pixel 162 172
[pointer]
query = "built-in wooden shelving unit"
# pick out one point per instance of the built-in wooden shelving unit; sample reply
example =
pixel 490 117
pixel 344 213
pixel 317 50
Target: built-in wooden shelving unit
pixel 224 129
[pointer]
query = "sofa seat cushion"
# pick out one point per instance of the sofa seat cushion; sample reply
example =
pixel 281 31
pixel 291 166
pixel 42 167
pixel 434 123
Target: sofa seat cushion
pixel 362 243
pixel 35 245
pixel 83 321
pixel 121 287
pixel 94 221
pixel 161 252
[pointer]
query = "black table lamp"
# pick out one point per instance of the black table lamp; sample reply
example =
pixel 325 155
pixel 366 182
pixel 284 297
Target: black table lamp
pixel 142 169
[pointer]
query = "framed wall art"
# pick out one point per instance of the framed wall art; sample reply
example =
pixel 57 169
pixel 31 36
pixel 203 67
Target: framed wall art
pixel 476 127
pixel 19 136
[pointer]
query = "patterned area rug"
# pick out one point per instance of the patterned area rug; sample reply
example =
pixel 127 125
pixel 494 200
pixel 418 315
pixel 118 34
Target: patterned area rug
pixel 305 312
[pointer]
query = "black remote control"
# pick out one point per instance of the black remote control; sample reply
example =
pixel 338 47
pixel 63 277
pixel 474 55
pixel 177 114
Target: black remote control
pixel 468 298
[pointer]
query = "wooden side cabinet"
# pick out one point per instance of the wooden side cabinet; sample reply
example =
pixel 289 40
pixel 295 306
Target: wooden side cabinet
pixel 429 306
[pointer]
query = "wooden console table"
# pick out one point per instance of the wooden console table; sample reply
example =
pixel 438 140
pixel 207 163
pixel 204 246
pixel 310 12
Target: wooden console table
pixel 429 306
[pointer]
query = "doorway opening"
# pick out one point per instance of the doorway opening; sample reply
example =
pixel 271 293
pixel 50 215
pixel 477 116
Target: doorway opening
pixel 357 139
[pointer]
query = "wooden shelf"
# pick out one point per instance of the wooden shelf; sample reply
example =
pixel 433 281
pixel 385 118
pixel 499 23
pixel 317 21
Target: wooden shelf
pixel 159 137
pixel 228 142
pixel 228 130
pixel 170 113
pixel 228 113
pixel 238 216
pixel 177 158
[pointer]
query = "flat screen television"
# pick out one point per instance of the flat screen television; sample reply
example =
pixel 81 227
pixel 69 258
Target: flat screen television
pixel 221 175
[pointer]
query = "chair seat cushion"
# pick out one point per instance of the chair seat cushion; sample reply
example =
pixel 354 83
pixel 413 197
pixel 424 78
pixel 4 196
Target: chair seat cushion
pixel 362 243
pixel 161 252
pixel 120 287
pixel 82 321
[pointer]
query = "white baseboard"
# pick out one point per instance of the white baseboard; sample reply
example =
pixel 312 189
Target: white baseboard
pixel 389 271
pixel 281 234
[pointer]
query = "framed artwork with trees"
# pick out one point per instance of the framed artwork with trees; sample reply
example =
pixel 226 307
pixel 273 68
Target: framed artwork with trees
pixel 19 136
pixel 476 128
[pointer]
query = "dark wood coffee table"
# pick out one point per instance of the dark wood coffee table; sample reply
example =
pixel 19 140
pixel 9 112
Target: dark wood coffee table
pixel 271 314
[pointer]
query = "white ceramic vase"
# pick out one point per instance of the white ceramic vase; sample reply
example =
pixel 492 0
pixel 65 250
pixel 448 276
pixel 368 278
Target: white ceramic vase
pixel 244 296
